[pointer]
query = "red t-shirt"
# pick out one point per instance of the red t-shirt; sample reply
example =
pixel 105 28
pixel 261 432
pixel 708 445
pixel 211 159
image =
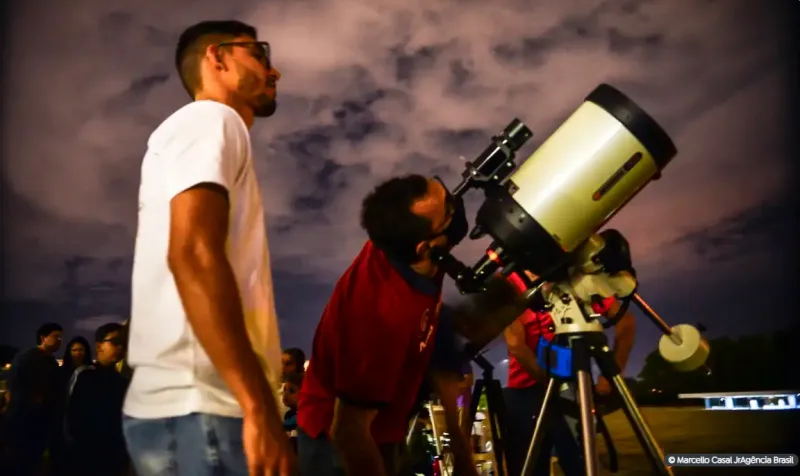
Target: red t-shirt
pixel 372 346
pixel 537 324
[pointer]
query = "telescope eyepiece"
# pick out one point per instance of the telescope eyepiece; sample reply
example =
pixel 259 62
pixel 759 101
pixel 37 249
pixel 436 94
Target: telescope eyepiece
pixel 516 134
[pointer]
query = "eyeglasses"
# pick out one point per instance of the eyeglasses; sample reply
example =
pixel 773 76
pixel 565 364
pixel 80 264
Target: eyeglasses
pixel 114 341
pixel 450 207
pixel 259 49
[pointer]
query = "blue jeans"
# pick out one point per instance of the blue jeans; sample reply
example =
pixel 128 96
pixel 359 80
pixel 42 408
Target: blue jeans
pixel 317 456
pixel 192 445
pixel 522 406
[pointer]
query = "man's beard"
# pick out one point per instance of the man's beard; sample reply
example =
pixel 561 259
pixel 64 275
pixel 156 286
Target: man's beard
pixel 265 106
pixel 262 105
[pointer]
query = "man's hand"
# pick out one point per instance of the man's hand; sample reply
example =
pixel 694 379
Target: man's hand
pixel 351 435
pixel 447 386
pixel 210 296
pixel 267 448
pixel 624 333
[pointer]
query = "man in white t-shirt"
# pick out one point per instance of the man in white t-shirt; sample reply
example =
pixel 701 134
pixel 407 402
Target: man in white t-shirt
pixel 204 343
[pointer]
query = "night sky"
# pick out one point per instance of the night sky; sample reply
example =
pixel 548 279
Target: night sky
pixel 374 88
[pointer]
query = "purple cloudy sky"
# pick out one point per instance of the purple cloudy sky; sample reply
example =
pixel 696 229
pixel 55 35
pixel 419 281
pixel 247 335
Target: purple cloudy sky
pixel 374 88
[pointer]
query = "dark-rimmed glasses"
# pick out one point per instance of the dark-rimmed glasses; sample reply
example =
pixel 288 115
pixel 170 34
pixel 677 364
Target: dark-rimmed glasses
pixel 118 341
pixel 450 207
pixel 261 53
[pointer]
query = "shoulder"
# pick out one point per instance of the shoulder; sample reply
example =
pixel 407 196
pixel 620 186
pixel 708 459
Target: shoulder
pixel 370 272
pixel 20 361
pixel 367 287
pixel 22 356
pixel 37 358
pixel 206 114
pixel 199 119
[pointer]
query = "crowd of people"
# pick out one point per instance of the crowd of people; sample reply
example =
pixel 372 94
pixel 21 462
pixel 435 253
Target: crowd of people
pixel 210 390
pixel 67 415
pixel 63 418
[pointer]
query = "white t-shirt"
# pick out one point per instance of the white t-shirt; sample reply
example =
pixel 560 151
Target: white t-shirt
pixel 203 142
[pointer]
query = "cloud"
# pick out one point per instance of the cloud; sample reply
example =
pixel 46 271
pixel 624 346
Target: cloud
pixel 92 323
pixel 373 88
pixel 443 78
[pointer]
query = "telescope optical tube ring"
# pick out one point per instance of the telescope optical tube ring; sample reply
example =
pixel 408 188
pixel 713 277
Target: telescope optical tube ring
pixel 637 121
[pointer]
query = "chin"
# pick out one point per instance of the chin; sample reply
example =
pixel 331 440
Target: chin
pixel 265 108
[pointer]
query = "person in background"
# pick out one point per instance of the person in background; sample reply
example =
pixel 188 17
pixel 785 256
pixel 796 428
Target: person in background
pixel 293 361
pixel 122 366
pixel 77 354
pixel 31 421
pixel 94 410
pixel 526 387
pixel 291 386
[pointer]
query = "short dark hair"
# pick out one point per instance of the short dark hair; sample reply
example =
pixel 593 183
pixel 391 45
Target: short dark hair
pixel 297 355
pixel 103 331
pixel 387 218
pixel 192 46
pixel 45 330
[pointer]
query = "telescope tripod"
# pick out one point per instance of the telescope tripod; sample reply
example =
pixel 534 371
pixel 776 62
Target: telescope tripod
pixel 585 347
pixel 495 410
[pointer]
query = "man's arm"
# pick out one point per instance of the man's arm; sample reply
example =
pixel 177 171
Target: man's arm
pixel 447 385
pixel 350 433
pixel 624 333
pixel 370 345
pixel 518 348
pixel 466 392
pixel 208 290
pixel 446 372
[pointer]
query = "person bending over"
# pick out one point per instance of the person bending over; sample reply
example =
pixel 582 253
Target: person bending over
pixel 527 383
pixel 374 341
pixel 203 338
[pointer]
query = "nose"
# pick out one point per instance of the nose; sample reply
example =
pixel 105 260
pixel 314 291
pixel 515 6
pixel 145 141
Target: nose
pixel 274 74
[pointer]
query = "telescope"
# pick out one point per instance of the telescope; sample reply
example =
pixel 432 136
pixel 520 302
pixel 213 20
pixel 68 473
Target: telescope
pixel 544 220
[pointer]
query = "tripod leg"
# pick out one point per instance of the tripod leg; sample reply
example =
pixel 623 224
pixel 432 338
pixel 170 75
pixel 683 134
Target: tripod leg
pixel 475 400
pixel 586 405
pixel 610 370
pixel 412 429
pixel 539 429
pixel 642 430
pixel 494 397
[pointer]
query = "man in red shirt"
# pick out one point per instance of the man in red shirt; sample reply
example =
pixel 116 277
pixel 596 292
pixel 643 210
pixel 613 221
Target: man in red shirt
pixel 527 382
pixel 374 342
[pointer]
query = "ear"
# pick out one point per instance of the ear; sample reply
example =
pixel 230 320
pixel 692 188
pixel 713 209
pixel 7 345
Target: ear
pixel 214 57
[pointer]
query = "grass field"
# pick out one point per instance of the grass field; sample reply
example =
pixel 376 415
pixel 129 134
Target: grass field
pixel 696 430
